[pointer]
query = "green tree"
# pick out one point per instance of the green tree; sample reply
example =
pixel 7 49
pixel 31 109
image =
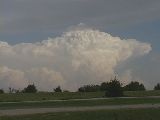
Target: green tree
pixel 104 86
pixel 89 88
pixel 30 89
pixel 1 91
pixel 58 89
pixel 134 86
pixel 157 87
pixel 114 88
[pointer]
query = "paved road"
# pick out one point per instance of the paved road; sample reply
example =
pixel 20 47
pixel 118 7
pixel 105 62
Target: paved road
pixel 13 112
pixel 78 99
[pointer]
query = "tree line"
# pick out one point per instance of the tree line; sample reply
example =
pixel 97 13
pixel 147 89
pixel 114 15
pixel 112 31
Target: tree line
pixel 31 88
pixel 113 88
pixel 132 86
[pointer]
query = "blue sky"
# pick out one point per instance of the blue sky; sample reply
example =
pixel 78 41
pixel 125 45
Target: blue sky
pixel 28 21
pixel 127 19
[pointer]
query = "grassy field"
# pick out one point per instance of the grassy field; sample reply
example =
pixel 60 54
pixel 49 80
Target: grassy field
pixel 141 114
pixel 142 93
pixel 67 95
pixel 132 114
pixel 114 101
pixel 48 96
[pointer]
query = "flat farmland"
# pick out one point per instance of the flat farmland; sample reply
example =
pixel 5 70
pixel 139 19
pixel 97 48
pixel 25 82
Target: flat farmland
pixel 17 97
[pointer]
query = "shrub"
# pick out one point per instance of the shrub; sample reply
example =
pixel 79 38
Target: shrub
pixel 30 89
pixel 114 89
pixel 1 91
pixel 58 89
pixel 104 86
pixel 134 86
pixel 157 87
pixel 89 88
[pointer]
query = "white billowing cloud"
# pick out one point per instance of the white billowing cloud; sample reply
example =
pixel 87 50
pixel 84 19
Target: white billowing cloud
pixel 127 77
pixel 45 78
pixel 5 48
pixel 12 78
pixel 81 56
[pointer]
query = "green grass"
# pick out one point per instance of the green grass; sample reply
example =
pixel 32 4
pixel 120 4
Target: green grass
pixel 127 114
pixel 114 101
pixel 142 93
pixel 48 96
pixel 68 95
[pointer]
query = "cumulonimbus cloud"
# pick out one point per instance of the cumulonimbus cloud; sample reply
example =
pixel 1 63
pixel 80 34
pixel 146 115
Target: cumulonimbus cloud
pixel 78 57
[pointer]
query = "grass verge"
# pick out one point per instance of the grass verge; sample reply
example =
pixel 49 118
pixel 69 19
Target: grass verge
pixel 68 95
pixel 114 101
pixel 48 96
pixel 127 114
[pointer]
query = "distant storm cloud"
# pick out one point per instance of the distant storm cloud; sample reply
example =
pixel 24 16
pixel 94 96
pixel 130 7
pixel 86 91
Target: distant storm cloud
pixel 77 57
pixel 27 16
